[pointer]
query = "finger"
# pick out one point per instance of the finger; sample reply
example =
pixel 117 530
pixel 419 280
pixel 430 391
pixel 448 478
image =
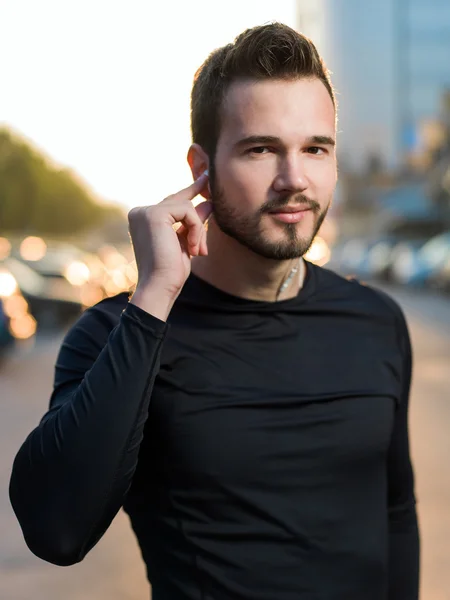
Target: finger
pixel 182 233
pixel 204 209
pixel 201 244
pixel 183 242
pixel 192 190
pixel 203 250
pixel 194 238
pixel 191 225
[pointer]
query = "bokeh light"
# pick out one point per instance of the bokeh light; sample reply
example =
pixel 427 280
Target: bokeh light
pixel 319 253
pixel 23 327
pixel 33 248
pixel 15 306
pixel 8 284
pixel 77 273
pixel 5 248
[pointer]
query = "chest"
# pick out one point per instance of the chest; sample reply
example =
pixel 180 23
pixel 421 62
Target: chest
pixel 251 405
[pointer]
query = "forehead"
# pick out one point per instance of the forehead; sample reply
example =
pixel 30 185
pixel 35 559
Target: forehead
pixel 286 109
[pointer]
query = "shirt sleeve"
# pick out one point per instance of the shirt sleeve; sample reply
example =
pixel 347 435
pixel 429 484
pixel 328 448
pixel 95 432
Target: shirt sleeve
pixel 404 544
pixel 72 473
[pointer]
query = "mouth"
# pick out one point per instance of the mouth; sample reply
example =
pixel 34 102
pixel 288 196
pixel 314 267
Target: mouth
pixel 290 214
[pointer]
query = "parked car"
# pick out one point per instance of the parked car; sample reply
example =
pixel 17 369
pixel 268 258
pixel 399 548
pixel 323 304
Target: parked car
pixel 440 279
pixel 399 234
pixel 418 266
pixel 351 256
pixel 6 337
pixel 52 301
pixel 384 258
pixel 372 258
pixel 69 278
pixel 16 320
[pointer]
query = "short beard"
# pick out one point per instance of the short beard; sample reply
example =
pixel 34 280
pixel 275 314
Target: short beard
pixel 247 230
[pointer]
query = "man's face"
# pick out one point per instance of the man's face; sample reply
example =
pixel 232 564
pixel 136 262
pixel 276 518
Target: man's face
pixel 274 171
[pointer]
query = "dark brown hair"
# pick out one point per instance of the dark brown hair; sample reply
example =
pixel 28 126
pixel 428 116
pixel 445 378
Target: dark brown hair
pixel 273 51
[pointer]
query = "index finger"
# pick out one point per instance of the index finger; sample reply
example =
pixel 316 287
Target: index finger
pixel 192 190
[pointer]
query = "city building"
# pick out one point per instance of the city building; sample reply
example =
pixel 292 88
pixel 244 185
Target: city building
pixel 390 64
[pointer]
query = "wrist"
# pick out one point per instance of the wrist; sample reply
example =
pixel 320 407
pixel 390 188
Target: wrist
pixel 155 301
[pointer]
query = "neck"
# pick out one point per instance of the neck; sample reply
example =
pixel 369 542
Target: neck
pixel 235 269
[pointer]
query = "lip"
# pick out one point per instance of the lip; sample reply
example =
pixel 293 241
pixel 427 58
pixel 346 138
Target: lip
pixel 290 214
pixel 290 209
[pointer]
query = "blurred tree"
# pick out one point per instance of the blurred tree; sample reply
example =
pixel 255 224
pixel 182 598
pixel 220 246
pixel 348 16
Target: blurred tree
pixel 36 197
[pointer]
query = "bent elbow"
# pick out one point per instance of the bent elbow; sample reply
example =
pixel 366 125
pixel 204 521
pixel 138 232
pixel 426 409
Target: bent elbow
pixel 60 549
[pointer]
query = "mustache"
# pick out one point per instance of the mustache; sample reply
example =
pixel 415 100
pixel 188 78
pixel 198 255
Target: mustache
pixel 282 201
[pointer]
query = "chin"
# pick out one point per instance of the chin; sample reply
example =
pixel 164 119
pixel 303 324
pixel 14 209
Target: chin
pixel 282 249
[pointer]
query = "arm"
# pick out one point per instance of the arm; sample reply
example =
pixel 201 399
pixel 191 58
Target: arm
pixel 72 473
pixel 74 470
pixel 404 545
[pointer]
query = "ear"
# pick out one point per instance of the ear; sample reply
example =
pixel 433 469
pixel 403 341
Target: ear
pixel 199 163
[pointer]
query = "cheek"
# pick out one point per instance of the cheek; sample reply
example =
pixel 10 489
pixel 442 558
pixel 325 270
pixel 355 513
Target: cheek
pixel 323 177
pixel 248 182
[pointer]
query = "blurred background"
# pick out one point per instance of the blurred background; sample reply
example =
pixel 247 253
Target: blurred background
pixel 94 119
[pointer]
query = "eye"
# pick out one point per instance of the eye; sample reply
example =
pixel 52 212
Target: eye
pixel 316 150
pixel 259 150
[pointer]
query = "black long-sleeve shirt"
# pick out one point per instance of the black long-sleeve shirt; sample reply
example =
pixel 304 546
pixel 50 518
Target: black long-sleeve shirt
pixel 259 448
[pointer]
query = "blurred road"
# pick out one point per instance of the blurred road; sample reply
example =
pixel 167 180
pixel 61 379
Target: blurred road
pixel 114 569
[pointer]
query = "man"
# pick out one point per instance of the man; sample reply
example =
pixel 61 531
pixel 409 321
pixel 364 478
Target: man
pixel 248 410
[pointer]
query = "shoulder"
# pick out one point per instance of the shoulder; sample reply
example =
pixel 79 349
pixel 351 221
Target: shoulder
pixel 108 309
pixel 113 305
pixel 96 323
pixel 361 296
pixel 365 303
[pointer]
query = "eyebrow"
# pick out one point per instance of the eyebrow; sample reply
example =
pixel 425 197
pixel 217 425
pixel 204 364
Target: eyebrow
pixel 263 140
pixel 323 140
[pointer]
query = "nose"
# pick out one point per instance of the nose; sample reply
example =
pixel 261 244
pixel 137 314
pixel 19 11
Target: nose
pixel 291 176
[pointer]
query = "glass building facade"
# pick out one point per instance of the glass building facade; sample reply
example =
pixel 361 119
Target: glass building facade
pixel 390 64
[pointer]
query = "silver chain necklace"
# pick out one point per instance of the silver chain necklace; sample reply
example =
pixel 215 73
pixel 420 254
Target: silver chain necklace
pixel 289 278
